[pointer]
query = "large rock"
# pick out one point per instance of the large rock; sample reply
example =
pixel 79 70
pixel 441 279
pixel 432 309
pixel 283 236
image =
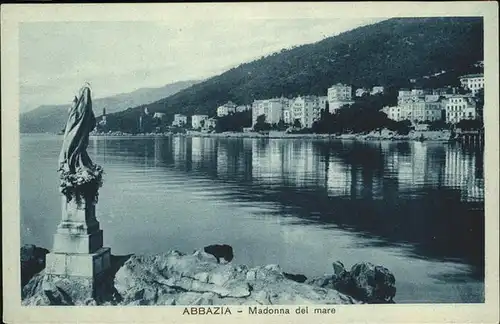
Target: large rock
pixel 32 261
pixel 365 282
pixel 220 251
pixel 198 279
pixel 45 289
pixel 371 283
pixel 175 278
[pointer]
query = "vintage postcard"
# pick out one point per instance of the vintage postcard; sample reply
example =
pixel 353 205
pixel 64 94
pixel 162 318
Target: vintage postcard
pixel 255 162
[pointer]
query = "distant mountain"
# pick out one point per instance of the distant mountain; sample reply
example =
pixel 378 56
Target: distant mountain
pixel 388 53
pixel 52 118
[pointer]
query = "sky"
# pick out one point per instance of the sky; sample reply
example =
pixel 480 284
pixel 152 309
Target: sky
pixel 56 58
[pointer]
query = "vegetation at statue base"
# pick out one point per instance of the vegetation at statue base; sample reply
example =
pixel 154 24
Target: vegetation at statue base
pixel 82 184
pixel 400 52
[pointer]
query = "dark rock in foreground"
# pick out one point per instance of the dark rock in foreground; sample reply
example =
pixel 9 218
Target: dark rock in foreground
pixel 175 278
pixel 32 261
pixel 219 251
pixel 365 282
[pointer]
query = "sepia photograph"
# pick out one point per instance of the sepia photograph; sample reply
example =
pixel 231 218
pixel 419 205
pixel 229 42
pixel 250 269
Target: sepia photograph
pixel 253 164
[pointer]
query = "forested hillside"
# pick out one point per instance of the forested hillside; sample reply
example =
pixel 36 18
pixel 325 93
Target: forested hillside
pixel 389 53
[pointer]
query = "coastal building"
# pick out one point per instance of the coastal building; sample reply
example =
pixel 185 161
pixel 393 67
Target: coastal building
pixel 472 82
pixel 103 121
pixel 243 108
pixel 360 92
pixel 226 109
pixel 287 115
pixel 145 121
pixel 197 121
pixel 179 120
pixel 415 106
pixel 444 91
pixel 160 116
pixel 393 113
pixel 433 109
pixel 209 124
pixel 339 95
pixel 377 89
pixel 460 107
pixel 272 109
pixel 307 109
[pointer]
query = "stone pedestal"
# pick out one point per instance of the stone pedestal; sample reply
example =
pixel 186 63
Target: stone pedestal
pixel 78 243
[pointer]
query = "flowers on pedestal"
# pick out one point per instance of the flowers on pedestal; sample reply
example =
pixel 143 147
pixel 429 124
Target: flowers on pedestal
pixel 83 184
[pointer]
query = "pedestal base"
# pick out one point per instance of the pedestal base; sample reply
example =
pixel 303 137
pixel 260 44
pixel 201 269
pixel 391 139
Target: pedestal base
pixel 77 264
pixel 78 243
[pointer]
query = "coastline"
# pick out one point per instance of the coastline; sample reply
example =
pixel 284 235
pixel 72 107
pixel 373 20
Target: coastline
pixel 176 278
pixel 432 136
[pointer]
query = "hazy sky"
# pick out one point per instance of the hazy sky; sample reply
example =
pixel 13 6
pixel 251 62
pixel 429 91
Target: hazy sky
pixel 56 58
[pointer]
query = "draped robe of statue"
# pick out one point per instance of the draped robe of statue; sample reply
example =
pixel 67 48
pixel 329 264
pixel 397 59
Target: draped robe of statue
pixel 81 122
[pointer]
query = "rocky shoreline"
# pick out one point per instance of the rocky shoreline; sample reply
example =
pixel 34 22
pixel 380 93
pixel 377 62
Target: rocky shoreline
pixel 175 278
pixel 384 135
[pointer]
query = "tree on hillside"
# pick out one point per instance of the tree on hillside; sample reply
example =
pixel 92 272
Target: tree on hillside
pixel 479 98
pixel 470 124
pixel 387 53
pixel 438 125
pixel 234 122
pixel 297 123
pixel 261 124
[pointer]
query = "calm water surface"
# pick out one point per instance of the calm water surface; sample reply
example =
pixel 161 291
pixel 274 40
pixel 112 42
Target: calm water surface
pixel 416 208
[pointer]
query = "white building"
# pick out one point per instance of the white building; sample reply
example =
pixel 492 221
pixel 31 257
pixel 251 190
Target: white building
pixel 472 82
pixel 159 115
pixel 460 107
pixel 243 108
pixel 307 109
pixel 287 110
pixel 179 120
pixel 415 106
pixel 338 96
pixel 360 92
pixel 197 121
pixel 272 109
pixel 377 89
pixel 209 123
pixel 226 109
pixel 393 113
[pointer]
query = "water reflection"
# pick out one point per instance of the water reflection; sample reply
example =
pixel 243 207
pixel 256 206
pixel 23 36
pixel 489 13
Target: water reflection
pixel 428 195
pixel 417 208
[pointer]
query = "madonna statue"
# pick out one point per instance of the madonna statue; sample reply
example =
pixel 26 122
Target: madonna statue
pixel 80 177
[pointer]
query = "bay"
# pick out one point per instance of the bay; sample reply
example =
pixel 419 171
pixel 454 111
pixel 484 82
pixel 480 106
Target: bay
pixel 416 208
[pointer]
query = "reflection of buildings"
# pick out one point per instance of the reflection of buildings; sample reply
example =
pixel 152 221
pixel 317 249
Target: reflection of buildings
pixel 267 160
pixel 338 181
pixel 179 144
pixel 197 149
pixel 460 174
pixel 356 171
pixel 434 166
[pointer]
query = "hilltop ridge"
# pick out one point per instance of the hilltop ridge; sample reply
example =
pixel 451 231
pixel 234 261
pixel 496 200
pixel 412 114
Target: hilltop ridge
pixel 389 53
pixel 52 118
